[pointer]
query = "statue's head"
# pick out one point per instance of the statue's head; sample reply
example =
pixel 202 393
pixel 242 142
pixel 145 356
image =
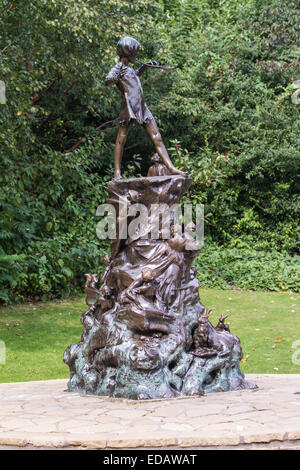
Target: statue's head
pixel 155 158
pixel 128 47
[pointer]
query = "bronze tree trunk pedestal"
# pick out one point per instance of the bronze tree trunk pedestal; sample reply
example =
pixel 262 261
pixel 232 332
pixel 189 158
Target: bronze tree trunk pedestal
pixel 146 334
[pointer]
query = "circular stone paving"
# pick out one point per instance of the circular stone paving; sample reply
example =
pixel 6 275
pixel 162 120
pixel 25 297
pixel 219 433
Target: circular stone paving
pixel 43 414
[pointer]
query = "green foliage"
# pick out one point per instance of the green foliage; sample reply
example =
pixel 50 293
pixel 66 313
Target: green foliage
pixel 240 266
pixel 225 113
pixel 49 211
pixel 8 274
pixel 229 104
pixel 54 56
pixel 56 267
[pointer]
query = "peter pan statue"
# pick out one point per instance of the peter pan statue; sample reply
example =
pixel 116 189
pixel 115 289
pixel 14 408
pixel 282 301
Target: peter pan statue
pixel 134 107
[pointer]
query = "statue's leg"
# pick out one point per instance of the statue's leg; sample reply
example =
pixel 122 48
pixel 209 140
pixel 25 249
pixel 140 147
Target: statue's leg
pixel 118 151
pixel 152 129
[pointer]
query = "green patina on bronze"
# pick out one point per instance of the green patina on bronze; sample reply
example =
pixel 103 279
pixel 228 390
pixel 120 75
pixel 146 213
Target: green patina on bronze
pixel 146 333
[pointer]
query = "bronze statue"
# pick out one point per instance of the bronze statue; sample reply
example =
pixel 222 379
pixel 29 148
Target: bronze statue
pixel 143 304
pixel 92 293
pixel 158 168
pixel 106 262
pixel 213 341
pixel 202 341
pixel 106 299
pixel 134 108
pixel 146 334
pixel 222 325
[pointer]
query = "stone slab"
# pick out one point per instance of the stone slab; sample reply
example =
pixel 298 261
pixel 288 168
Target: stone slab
pixel 44 415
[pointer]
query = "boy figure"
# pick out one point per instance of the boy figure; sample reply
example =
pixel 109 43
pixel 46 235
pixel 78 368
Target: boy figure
pixel 134 107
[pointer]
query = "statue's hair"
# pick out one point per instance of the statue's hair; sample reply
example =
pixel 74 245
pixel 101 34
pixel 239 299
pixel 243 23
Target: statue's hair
pixel 126 46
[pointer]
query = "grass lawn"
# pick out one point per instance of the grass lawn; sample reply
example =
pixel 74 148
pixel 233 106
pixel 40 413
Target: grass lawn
pixel 36 335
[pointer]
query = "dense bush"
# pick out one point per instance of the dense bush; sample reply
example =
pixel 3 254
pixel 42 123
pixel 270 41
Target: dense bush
pixel 240 266
pixel 230 103
pixel 54 56
pixel 225 112
pixel 48 216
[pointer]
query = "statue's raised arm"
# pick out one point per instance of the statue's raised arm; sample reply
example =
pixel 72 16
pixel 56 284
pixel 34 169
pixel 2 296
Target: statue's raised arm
pixel 134 108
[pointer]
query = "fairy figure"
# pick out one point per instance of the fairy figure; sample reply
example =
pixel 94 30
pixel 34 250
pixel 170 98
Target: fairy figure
pixel 134 108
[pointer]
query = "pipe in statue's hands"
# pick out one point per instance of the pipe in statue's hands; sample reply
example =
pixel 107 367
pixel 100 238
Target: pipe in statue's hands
pixel 154 64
